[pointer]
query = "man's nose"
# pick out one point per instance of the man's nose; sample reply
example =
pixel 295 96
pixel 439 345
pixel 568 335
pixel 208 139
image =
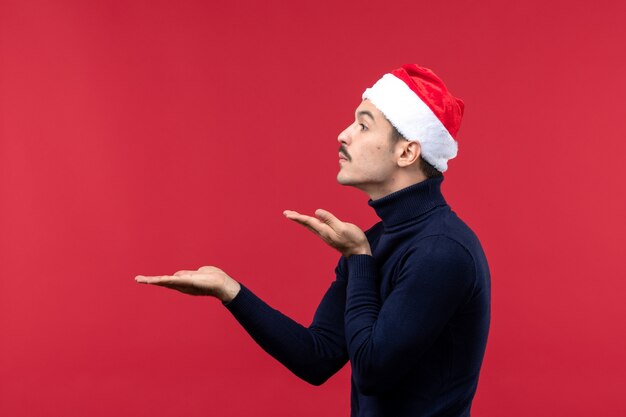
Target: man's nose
pixel 344 136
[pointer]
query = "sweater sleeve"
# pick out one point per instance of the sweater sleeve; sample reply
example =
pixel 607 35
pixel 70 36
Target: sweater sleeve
pixel 313 354
pixel 387 339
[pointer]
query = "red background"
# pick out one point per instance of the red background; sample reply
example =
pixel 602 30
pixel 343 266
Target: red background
pixel 147 137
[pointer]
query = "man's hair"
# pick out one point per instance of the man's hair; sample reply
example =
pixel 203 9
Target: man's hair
pixel 428 170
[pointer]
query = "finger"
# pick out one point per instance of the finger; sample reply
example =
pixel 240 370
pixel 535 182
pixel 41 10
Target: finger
pixel 181 288
pixel 327 217
pixel 144 280
pixel 317 232
pixel 184 288
pixel 158 279
pixel 310 222
pixel 290 213
pixel 300 218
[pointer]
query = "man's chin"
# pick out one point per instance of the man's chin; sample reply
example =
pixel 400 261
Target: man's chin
pixel 343 181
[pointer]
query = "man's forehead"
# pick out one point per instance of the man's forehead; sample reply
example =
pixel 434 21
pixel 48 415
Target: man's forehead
pixel 367 109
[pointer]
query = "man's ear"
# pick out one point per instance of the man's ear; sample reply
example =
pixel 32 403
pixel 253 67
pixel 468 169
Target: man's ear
pixel 411 151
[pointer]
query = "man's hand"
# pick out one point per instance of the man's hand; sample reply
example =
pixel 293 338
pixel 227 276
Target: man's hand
pixel 347 238
pixel 207 280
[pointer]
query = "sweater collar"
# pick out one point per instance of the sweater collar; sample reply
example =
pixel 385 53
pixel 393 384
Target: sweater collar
pixel 410 202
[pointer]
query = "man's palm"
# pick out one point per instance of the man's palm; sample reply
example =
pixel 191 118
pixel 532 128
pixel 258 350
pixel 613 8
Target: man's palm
pixel 207 280
pixel 347 238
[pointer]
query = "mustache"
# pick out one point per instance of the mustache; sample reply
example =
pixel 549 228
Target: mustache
pixel 345 153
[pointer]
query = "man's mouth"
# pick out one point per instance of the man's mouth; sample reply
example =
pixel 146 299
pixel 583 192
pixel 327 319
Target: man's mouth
pixel 343 154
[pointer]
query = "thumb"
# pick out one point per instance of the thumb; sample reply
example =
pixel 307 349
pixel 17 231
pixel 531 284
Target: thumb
pixel 327 217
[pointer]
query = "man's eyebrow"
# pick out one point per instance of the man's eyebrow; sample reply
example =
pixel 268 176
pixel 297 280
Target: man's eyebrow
pixel 366 113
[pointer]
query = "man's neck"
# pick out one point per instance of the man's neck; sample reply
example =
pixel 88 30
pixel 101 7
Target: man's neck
pixel 395 184
pixel 409 203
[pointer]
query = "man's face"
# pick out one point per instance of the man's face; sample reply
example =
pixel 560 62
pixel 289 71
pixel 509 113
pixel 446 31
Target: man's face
pixel 366 157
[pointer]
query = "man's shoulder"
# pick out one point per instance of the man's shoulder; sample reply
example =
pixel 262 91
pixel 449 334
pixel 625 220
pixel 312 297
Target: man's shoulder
pixel 449 242
pixel 448 224
pixel 438 246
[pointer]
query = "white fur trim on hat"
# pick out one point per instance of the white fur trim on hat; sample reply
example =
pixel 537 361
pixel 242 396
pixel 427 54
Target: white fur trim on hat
pixel 406 111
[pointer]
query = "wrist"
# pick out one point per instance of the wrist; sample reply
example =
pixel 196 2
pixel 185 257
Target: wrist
pixel 358 251
pixel 229 290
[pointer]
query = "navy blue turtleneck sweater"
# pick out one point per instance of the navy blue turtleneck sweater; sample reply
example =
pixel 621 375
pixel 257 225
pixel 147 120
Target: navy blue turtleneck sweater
pixel 412 318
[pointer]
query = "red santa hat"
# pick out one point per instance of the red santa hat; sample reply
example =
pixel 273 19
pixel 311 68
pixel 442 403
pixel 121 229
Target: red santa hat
pixel 418 104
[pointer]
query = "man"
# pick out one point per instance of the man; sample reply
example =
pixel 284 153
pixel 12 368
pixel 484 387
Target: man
pixel 410 305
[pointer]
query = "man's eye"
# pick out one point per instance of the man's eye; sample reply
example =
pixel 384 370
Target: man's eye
pixel 363 127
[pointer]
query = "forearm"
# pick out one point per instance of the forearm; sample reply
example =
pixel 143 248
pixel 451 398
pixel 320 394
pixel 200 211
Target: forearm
pixel 363 306
pixel 313 354
pixel 386 338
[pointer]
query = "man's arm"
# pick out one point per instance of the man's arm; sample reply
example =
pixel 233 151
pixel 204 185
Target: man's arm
pixel 386 340
pixel 313 354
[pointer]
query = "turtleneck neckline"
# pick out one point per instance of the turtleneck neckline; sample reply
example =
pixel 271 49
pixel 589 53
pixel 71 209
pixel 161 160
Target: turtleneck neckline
pixel 409 202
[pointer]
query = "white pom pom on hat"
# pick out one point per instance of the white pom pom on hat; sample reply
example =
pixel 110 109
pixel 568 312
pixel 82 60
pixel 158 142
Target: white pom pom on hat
pixel 418 104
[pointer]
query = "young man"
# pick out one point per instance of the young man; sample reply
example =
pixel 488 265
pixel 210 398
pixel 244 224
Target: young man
pixel 410 306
